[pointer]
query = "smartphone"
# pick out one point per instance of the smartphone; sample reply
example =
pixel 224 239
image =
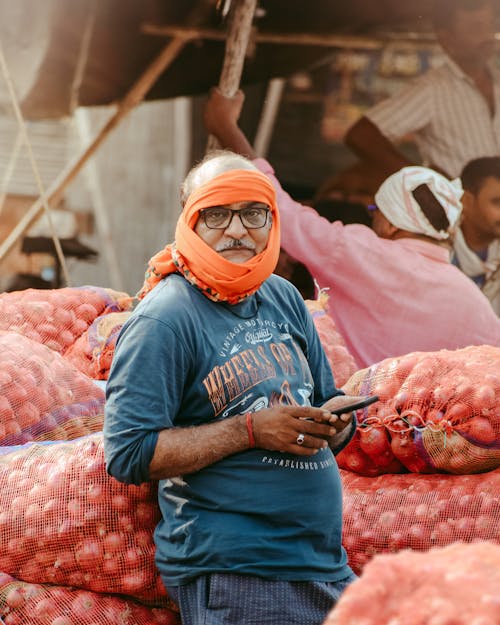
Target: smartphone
pixel 362 403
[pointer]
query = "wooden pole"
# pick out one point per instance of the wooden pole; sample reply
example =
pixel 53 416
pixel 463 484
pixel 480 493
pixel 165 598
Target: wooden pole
pixel 356 42
pixel 268 116
pixel 55 193
pixel 240 25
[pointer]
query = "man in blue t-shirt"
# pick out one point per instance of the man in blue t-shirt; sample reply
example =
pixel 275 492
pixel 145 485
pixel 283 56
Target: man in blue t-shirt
pixel 220 389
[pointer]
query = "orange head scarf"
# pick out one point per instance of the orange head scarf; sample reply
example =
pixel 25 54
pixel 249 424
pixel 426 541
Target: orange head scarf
pixel 218 278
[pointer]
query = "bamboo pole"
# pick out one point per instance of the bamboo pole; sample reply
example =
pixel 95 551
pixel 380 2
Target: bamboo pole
pixel 357 42
pixel 240 25
pixel 55 193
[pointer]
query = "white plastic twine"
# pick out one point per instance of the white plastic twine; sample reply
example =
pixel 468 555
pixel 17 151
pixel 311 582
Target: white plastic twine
pixel 34 166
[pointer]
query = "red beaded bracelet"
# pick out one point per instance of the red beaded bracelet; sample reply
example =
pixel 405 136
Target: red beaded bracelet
pixel 249 422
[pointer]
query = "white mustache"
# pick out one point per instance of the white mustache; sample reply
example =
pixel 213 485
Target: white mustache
pixel 235 244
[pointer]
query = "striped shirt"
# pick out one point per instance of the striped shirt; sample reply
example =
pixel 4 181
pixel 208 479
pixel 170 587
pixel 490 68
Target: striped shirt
pixel 448 116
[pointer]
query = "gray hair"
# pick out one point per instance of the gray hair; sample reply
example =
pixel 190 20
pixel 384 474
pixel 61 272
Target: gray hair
pixel 214 163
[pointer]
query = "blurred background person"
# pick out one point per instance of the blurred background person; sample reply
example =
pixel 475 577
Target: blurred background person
pixel 477 243
pixel 393 289
pixel 453 111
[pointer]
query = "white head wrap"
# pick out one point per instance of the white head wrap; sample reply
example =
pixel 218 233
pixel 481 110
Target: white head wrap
pixel 397 203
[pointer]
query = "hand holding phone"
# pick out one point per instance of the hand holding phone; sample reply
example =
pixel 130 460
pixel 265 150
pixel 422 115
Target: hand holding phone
pixel 361 403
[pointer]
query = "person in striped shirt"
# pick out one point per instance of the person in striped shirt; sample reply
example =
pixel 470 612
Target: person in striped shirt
pixel 452 111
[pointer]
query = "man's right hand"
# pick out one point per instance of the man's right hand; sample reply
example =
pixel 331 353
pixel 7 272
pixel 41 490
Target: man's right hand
pixel 221 116
pixel 221 111
pixel 279 429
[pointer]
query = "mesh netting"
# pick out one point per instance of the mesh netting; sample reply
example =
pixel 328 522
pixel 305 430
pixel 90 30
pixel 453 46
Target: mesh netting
pixel 394 512
pixel 439 412
pixel 93 351
pixel 454 585
pixel 65 521
pixel 42 396
pixel 41 604
pixel 57 317
pixel 340 359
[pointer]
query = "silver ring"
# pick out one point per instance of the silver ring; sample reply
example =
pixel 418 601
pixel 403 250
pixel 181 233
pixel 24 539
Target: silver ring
pixel 300 439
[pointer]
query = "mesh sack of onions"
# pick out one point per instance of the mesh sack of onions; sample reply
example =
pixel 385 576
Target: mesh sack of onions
pixel 43 397
pixel 65 521
pixel 438 412
pixel 44 604
pixel 57 317
pixel 415 511
pixel 92 353
pixel 454 585
pixel 341 360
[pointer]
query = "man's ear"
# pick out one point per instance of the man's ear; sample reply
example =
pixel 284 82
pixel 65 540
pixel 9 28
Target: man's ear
pixel 391 230
pixel 468 200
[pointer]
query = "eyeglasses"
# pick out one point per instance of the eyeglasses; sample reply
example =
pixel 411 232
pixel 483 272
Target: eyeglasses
pixel 220 217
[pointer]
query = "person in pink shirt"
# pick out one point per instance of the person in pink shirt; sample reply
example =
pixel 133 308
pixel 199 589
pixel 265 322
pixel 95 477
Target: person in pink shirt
pixel 392 287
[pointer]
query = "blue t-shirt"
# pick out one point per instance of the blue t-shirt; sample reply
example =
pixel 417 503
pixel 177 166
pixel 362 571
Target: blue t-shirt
pixel 184 360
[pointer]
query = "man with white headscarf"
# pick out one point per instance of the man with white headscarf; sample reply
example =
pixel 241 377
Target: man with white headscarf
pixel 392 288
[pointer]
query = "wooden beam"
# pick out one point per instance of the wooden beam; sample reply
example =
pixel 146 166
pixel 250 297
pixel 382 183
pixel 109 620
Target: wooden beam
pixel 299 39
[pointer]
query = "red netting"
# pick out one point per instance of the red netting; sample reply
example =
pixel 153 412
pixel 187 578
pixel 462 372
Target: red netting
pixel 454 585
pixel 92 353
pixel 40 604
pixel 57 317
pixel 370 453
pixel 440 411
pixel 42 396
pixel 65 521
pixel 394 512
pixel 340 359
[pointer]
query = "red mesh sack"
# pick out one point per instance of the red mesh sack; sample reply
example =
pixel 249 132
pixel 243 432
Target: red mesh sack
pixel 92 353
pixel 65 521
pixel 57 317
pixel 341 361
pixel 394 512
pixel 370 453
pixel 42 396
pixel 454 585
pixel 440 411
pixel 42 604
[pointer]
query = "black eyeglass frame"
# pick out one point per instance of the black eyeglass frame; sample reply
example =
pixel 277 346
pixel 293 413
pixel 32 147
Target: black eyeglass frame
pixel 231 213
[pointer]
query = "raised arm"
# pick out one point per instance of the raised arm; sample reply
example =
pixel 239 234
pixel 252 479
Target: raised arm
pixel 221 116
pixel 366 141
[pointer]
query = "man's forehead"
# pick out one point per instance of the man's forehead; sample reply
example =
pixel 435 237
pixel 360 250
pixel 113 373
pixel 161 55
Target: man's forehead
pixel 215 167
